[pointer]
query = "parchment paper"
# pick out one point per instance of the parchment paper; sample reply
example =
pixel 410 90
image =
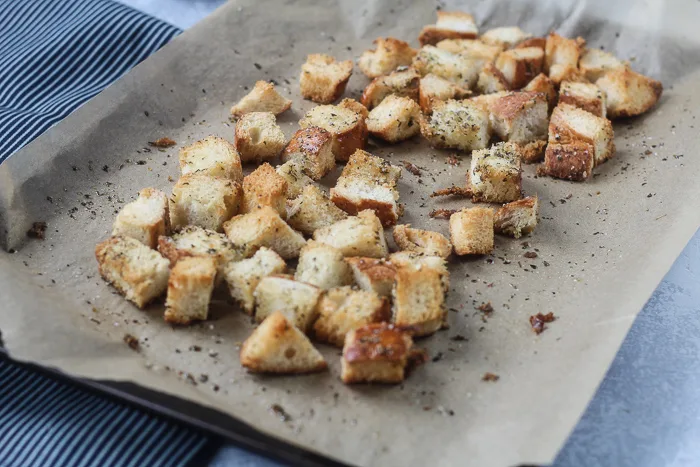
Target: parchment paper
pixel 602 246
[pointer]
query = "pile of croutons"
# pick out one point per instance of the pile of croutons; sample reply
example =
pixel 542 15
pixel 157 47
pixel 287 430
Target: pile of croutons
pixel 504 97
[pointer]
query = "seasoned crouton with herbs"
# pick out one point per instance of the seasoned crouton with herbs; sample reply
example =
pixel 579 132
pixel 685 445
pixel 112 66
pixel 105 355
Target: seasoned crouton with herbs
pixel 389 53
pixel 145 219
pixel 313 210
pixel 295 300
pixel 628 93
pixel 323 266
pixel 323 79
pixel 264 228
pixel 517 218
pixel 394 119
pixel 346 126
pixel 419 299
pixel 542 84
pixel 204 201
pixel 520 117
pixel 519 66
pixel 586 96
pixel 561 56
pixel 432 89
pixel 262 98
pixel 491 80
pixel 449 25
pixel 190 287
pixel 361 235
pixel 259 137
pixel 212 156
pixel 312 148
pixel 402 82
pixel 265 187
pixel 420 241
pixel 471 231
pixel 243 277
pixel 573 160
pixel 569 123
pixel 292 171
pixel 471 48
pixel 373 274
pixel 462 125
pixel 459 69
pixel 495 175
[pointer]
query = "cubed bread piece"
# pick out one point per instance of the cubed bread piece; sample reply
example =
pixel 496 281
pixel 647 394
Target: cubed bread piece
pixel 533 152
pixel 292 171
pixel 277 346
pixel 296 300
pixel 137 272
pixel 189 290
pixel 495 175
pixel 570 123
pixel 517 218
pixel 259 137
pixel 539 42
pixel 563 52
pixel 505 37
pixel 145 219
pixel 491 80
pixel 242 277
pixel 471 48
pixel 564 72
pixel 264 227
pixel 373 274
pixel 402 82
pixel 369 182
pixel 629 93
pixel 312 147
pixel 594 63
pixel 420 241
pixel 323 79
pixel 462 125
pixel 355 106
pixel 263 98
pixel 313 210
pixel 487 101
pixel 433 88
pixel 471 231
pixel 573 160
pixel 265 187
pixel 342 309
pixel 204 201
pixel 520 117
pixel 376 353
pixel 519 66
pixel 389 54
pixel 585 96
pixel 346 126
pixel 456 68
pixel 420 261
pixel 323 266
pixel 212 156
pixel 360 235
pixel 419 299
pixel 449 25
pixel 541 83
pixel 394 119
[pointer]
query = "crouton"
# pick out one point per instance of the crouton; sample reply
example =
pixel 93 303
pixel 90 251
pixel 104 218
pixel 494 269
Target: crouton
pixel 263 98
pixel 586 96
pixel 389 54
pixel 258 137
pixel 422 241
pixel 562 52
pixel 505 37
pixel 432 88
pixel 532 152
pixel 402 82
pixel 571 123
pixel 312 147
pixel 323 266
pixel 346 126
pixel 373 274
pixel 376 353
pixel 456 68
pixel 520 117
pixel 394 119
pixel 471 48
pixel 296 300
pixel 297 180
pixel 629 93
pixel 369 182
pixel 495 175
pixel 539 42
pixel 594 63
pixel 360 235
pixel 190 287
pixel 137 272
pixel 541 83
pixel 264 227
pixel 242 277
pixel 355 106
pixel 519 66
pixel 265 187
pixel 517 218
pixel 491 80
pixel 276 346
pixel 323 79
pixel 313 210
pixel 343 309
pixel 419 299
pixel 212 156
pixel 462 125
pixel 573 160
pixel 420 261
pixel 486 101
pixel 203 201
pixel 145 219
pixel 559 73
pixel 471 231
pixel 449 25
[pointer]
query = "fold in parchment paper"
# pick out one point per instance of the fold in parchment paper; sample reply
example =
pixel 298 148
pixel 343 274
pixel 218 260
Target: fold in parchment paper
pixel 602 246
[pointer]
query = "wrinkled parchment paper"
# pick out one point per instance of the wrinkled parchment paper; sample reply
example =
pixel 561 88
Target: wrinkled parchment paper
pixel 602 246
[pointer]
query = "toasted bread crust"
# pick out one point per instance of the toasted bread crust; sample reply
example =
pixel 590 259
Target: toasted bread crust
pixel 571 161
pixel 315 146
pixel 629 93
pixel 471 231
pixel 346 139
pixel 401 83
pixel 323 79
pixel 262 98
pixel 190 287
pixel 542 83
pixel 389 54
pixel 561 131
pixel 508 220
pixel 422 241
pixel 519 66
pixel 533 152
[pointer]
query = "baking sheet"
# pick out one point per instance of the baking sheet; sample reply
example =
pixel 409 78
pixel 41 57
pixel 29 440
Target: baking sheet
pixel 602 246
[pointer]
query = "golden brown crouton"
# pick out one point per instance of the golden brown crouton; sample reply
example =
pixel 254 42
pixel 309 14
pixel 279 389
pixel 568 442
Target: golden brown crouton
pixel 629 93
pixel 244 276
pixel 517 218
pixel 293 173
pixel 505 37
pixel 355 106
pixel 323 266
pixel 264 187
pixel 519 66
pixel 189 290
pixel 394 119
pixel 421 262
pixel 402 82
pixel 203 201
pixel 263 98
pixel 520 117
pixel 264 227
pixel 594 63
pixel 471 48
pixel 373 274
pixel 323 79
pixel 361 235
pixel 145 219
pixel 449 25
pixel 541 83
pixel 573 160
pixel 258 137
pixel 586 96
pixel 422 241
pixel 211 156
pixel 277 346
pixel 343 309
pixel 376 353
pixel 456 68
pixel 462 125
pixel 312 147
pixel 495 175
pixel 369 182
pixel 539 42
pixel 296 300
pixel 389 54
pixel 532 152
pixel 471 231
pixel 346 126
pixel 419 299
pixel 561 54
pixel 137 272
pixel 491 80
pixel 313 210
pixel 570 123
pixel 432 88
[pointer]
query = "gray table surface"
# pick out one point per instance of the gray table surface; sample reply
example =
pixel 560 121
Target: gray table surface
pixel 647 410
